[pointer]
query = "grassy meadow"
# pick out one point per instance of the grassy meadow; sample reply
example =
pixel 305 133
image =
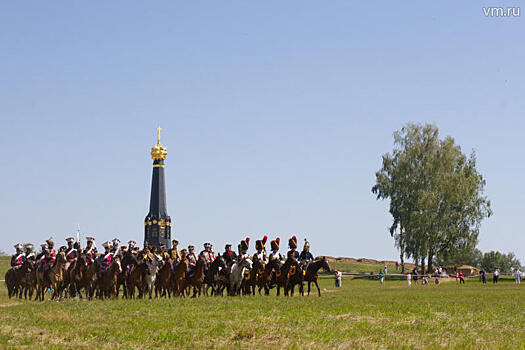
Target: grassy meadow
pixel 361 314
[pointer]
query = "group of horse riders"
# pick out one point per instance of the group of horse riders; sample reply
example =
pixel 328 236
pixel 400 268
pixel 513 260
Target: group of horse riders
pixel 131 256
pixel 47 256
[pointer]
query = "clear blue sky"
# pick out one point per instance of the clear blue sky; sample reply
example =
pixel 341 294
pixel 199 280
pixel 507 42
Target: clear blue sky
pixel 275 115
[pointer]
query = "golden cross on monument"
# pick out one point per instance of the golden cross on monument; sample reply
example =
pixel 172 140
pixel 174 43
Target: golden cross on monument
pixel 158 134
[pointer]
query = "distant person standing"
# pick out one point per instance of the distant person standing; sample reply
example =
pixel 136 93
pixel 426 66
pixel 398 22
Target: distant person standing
pixel 409 279
pixel 495 276
pixel 338 277
pixel 397 265
pixel 461 279
pixel 517 276
pixel 381 276
pixel 483 276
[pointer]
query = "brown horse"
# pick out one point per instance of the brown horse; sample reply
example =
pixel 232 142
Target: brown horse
pixel 15 279
pixel 107 284
pixel 312 272
pixel 295 277
pixel 179 277
pixel 89 279
pixel 281 277
pixel 56 275
pixel 136 279
pixel 272 267
pixel 163 280
pixel 256 274
pixel 197 279
pixel 76 274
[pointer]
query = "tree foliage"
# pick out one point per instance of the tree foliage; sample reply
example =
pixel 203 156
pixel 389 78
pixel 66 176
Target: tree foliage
pixel 504 262
pixel 435 191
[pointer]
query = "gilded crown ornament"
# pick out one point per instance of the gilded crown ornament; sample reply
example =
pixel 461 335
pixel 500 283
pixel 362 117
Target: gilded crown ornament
pixel 158 152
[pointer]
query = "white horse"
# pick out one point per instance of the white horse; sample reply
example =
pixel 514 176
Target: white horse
pixel 237 274
pixel 151 274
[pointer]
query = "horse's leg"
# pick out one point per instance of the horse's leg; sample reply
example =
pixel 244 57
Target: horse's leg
pixel 317 285
pixel 309 283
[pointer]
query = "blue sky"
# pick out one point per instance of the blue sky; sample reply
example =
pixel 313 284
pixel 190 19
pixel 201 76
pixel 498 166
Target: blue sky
pixel 275 115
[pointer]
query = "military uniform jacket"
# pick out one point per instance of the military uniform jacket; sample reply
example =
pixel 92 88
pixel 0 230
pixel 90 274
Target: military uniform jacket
pixel 30 256
pixel 293 253
pixel 192 259
pixel 50 255
pixel 277 255
pixel 306 256
pixel 207 256
pixel 229 257
pixel 175 254
pixel 18 259
pixel 260 256
pixel 71 254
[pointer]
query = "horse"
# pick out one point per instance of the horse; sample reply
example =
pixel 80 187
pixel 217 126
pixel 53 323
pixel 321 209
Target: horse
pixel 212 276
pixel 76 274
pixel 179 276
pixel 265 281
pixel 256 274
pixel 15 279
pixel 52 278
pixel 281 277
pixel 237 275
pixel 295 277
pixel 151 274
pixel 136 279
pixel 312 272
pixel 89 279
pixel 162 283
pixel 129 261
pixel 107 283
pixel 197 278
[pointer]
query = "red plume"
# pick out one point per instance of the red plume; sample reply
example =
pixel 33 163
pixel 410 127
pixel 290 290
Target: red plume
pixel 278 240
pixel 265 238
pixel 294 238
pixel 247 239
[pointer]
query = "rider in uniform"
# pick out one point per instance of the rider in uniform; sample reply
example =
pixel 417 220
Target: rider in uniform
pixel 243 248
pixel 175 253
pixel 41 256
pixel 50 254
pixel 261 252
pixel 306 256
pixel 163 253
pixel 275 250
pixel 192 258
pixel 90 251
pixel 292 243
pixel 19 257
pixel 115 250
pixel 207 253
pixel 131 246
pixel 71 252
pixel 29 254
pixel 107 258
pixel 229 256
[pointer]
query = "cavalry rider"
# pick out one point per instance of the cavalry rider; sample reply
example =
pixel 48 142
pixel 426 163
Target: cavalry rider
pixel 41 256
pixel 306 257
pixel 243 248
pixel 50 254
pixel 19 257
pixel 163 253
pixel 229 255
pixel 207 254
pixel 115 250
pixel 91 250
pixel 175 253
pixel 29 254
pixel 275 255
pixel 131 246
pixel 261 253
pixel 71 252
pixel 292 243
pixel 107 258
pixel 192 258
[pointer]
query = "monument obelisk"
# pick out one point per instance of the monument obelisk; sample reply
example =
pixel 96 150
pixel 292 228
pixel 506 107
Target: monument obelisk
pixel 157 224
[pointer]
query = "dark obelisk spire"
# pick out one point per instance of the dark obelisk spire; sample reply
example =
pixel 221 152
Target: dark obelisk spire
pixel 157 225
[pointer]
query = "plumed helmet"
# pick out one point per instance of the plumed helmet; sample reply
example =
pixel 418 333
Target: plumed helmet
pixel 106 244
pixel 90 239
pixel 292 242
pixel 50 242
pixel 70 240
pixel 28 246
pixel 116 241
pixel 245 243
pixel 259 244
pixel 275 243
pixel 18 246
pixel 132 243
pixel 306 243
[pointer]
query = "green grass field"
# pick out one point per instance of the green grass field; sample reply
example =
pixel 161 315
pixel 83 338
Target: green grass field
pixel 361 314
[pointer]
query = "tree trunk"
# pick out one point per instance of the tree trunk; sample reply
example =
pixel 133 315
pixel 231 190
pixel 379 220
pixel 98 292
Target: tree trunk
pixel 429 263
pixel 422 264
pixel 401 248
